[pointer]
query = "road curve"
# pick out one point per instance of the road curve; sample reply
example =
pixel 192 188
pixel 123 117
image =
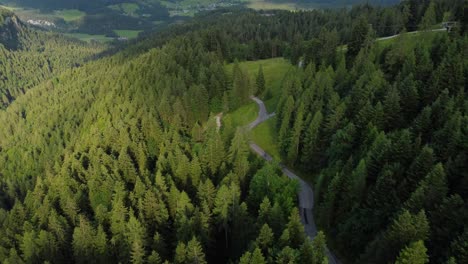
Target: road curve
pixel 306 193
pixel 262 114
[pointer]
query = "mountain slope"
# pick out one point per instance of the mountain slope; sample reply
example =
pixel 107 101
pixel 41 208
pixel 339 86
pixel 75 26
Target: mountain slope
pixel 10 28
pixel 28 57
pixel 120 160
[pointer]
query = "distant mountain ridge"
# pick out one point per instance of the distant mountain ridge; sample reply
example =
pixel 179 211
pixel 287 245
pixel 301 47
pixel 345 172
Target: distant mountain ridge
pixel 96 4
pixel 72 4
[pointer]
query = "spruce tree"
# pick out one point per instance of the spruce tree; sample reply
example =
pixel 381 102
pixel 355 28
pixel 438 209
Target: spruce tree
pixel 415 253
pixel 429 18
pixel 260 82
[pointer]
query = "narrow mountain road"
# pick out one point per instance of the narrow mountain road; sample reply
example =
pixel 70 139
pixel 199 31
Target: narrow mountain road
pixel 262 113
pixel 411 32
pixel 305 195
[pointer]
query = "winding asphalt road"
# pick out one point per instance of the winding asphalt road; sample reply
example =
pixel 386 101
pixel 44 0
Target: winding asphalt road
pixel 262 114
pixel 305 195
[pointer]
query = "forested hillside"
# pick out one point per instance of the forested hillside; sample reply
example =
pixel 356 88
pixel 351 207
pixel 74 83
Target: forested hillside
pixel 387 138
pixel 28 57
pixel 121 160
pixel 114 162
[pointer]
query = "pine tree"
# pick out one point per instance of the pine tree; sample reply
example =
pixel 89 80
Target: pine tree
pixel 154 258
pixel 252 258
pixel 195 252
pixel 195 171
pixel 13 258
pixel 241 86
pixel 238 154
pixel 28 246
pixel 307 252
pixel 213 154
pixel 226 102
pixel 83 242
pixel 295 136
pixel 260 81
pixel 225 199
pixel 239 147
pixel 392 109
pixel 359 37
pixel 287 256
pixel 137 253
pixel 459 247
pixel 407 227
pixel 257 257
pixel 264 212
pixel 155 210
pixel 283 134
pixel 419 168
pixel 429 18
pixel 312 139
pixel 319 248
pixel 295 229
pixel 415 253
pixel 180 256
pixel 207 193
pixel 431 191
pixel 358 183
pixel 265 238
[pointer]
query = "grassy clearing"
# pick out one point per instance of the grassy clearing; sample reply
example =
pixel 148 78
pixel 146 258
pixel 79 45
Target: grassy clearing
pixel 242 116
pixel 411 36
pixel 126 8
pixel 267 5
pixel 265 135
pixel 127 33
pixel 88 37
pixel 273 70
pixel 69 15
pixel 186 13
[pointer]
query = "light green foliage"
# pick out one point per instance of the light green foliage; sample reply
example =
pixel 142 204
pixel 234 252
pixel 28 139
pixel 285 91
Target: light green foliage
pixel 265 238
pixel 267 183
pixel 34 57
pixel 130 34
pixel 260 81
pixel 266 136
pixel 120 159
pixel 273 71
pixel 318 247
pixel 70 14
pixel 287 256
pixel 195 252
pixel 415 253
pixel 429 17
pixel 253 258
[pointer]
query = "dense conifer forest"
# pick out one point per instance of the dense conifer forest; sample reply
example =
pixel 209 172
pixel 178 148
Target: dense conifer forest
pixel 28 57
pixel 120 159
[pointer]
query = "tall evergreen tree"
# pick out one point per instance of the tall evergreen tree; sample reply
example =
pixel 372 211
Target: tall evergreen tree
pixel 260 81
pixel 415 253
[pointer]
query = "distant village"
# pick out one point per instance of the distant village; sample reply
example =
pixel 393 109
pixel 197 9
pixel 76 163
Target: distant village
pixel 179 10
pixel 41 23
